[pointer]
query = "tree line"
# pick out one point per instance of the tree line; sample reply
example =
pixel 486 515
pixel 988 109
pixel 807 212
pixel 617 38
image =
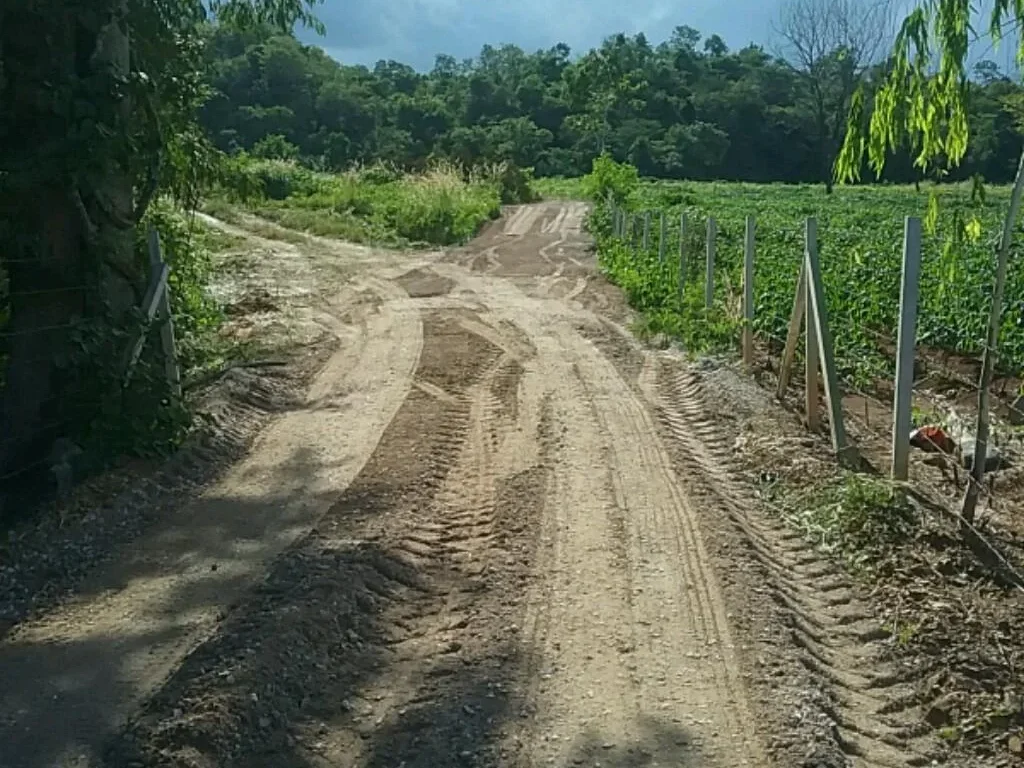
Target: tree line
pixel 686 108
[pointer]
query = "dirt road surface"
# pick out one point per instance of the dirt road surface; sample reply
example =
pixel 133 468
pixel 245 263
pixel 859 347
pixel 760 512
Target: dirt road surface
pixel 479 537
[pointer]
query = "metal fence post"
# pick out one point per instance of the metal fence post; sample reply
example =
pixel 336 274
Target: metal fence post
pixel 662 236
pixel 709 276
pixel 905 347
pixel 682 255
pixel 748 294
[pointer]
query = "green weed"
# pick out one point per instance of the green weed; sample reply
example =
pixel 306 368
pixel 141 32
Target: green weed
pixel 858 518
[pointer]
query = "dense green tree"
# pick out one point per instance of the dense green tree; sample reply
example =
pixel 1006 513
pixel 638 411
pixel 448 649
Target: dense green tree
pixel 687 108
pixel 98 101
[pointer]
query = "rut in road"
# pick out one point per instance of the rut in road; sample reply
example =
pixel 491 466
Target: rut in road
pixel 506 567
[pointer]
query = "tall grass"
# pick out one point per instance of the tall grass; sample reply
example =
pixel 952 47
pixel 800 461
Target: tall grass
pixel 380 204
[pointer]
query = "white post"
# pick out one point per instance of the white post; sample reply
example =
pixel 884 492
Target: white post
pixel 662 236
pixel 907 335
pixel 709 275
pixel 647 230
pixel 748 294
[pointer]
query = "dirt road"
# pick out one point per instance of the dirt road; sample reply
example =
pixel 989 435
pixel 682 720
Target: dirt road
pixel 468 543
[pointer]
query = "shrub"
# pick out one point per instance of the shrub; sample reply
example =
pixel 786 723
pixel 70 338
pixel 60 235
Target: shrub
pixel 608 177
pixel 196 314
pixel 515 185
pixel 280 179
pixel 275 147
pixel 443 205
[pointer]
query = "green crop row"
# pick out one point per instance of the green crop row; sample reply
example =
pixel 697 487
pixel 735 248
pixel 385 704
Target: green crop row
pixel 860 237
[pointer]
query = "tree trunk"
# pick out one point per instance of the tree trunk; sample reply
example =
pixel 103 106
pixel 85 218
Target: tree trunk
pixel 825 163
pixel 60 270
pixel 47 295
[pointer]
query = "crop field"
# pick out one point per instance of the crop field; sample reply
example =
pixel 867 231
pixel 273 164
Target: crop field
pixel 860 233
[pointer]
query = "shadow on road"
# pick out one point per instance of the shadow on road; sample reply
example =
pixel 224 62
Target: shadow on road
pixel 73 675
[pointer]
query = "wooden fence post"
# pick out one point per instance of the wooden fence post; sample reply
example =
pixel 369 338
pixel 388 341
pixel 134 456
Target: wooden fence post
pixel 662 236
pixel 905 347
pixel 709 274
pixel 748 294
pixel 682 255
pixel 796 317
pixel 647 230
pixel 819 317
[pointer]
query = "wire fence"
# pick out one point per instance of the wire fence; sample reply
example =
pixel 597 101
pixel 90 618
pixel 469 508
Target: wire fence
pixel 41 317
pixel 685 252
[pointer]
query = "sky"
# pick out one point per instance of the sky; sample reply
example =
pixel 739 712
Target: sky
pixel 414 31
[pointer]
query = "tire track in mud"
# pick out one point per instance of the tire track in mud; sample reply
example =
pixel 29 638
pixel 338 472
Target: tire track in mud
pixel 520 574
pixel 834 631
pixel 365 632
pixel 630 649
pixel 77 673
pixel 693 644
pixel 477 518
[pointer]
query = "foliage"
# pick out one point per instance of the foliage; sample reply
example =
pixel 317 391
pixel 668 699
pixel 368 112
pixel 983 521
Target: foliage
pixel 862 519
pixel 922 108
pixel 860 232
pixel 275 179
pixel 674 110
pixel 141 419
pixel 515 184
pixel 98 120
pixel 275 147
pixel 185 247
pixel 609 180
pixel 442 205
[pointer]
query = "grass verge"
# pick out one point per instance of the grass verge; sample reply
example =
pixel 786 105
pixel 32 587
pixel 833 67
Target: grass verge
pixel 378 205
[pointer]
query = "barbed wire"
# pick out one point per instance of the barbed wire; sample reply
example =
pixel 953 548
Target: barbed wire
pixel 44 276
